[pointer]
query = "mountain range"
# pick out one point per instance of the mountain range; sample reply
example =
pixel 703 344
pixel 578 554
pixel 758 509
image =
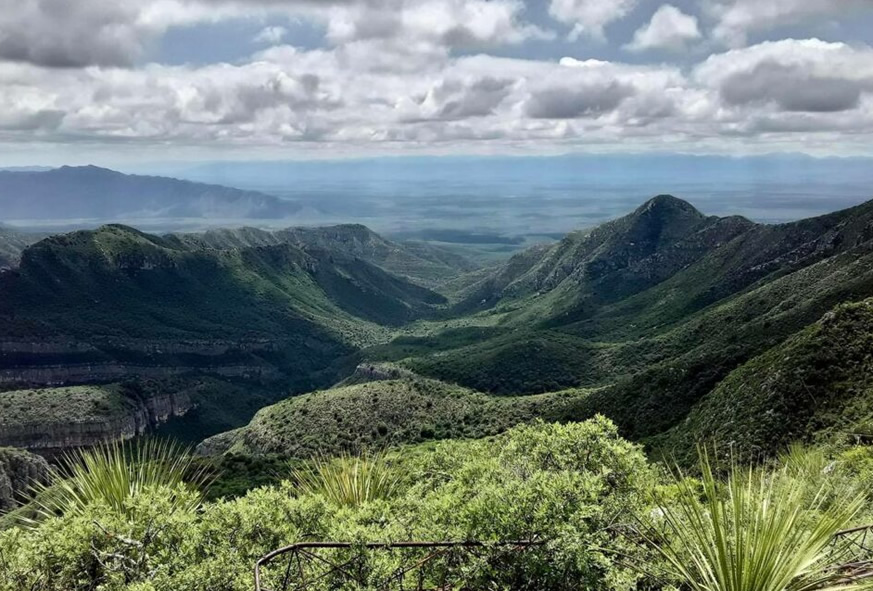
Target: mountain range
pixel 677 325
pixel 91 193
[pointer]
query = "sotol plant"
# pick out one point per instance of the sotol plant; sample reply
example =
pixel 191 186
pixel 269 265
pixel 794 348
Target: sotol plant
pixel 113 473
pixel 754 530
pixel 349 480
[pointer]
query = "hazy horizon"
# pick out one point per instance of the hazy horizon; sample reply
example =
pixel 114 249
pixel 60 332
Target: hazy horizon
pixel 544 196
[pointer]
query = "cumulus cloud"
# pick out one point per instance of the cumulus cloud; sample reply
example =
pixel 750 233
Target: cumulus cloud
pixel 792 88
pixel 791 75
pixel 455 99
pixel 589 17
pixel 578 100
pixel 58 33
pixel 403 73
pixel 63 33
pixel 669 29
pixel 453 23
pixel 737 18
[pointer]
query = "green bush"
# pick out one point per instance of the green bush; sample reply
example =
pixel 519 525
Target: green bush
pixel 566 485
pixel 757 530
pixel 113 474
pixel 349 480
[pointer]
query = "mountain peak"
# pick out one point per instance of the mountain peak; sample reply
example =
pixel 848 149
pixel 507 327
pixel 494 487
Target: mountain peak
pixel 665 203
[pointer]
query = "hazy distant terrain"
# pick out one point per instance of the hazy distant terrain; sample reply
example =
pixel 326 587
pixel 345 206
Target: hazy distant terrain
pixel 83 196
pixel 542 197
pixel 484 207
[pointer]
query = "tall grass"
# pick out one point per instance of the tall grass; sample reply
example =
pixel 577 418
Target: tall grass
pixel 755 530
pixel 113 473
pixel 349 480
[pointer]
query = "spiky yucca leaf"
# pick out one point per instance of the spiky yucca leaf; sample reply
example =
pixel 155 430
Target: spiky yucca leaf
pixel 349 480
pixel 113 473
pixel 754 531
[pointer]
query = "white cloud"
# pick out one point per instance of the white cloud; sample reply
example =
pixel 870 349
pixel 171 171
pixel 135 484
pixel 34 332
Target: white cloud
pixel 669 29
pixel 72 34
pixel 63 33
pixel 450 23
pixel 270 35
pixel 737 18
pixel 391 76
pixel 791 75
pixel 455 99
pixel 801 87
pixel 589 17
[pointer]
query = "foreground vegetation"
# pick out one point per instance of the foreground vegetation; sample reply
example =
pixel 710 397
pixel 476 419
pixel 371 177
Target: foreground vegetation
pixel 605 518
pixel 561 484
pixel 757 530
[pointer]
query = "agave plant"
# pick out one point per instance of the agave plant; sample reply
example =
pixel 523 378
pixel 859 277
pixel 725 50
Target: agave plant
pixel 349 480
pixel 113 473
pixel 754 531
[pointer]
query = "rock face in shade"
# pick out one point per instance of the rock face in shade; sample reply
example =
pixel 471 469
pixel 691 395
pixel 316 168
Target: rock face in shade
pixel 18 471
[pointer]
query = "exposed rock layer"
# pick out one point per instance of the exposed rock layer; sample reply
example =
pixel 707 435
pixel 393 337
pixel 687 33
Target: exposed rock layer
pixel 18 471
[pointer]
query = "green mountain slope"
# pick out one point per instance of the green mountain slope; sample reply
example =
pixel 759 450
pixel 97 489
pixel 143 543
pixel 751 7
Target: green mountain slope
pixel 404 408
pixel 643 318
pixel 816 384
pixel 420 262
pixel 123 277
pixel 616 259
pixel 116 304
pixel 655 309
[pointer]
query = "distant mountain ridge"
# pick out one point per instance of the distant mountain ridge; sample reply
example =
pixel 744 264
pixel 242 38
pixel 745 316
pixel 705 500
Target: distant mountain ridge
pixel 419 261
pixel 90 192
pixel 617 258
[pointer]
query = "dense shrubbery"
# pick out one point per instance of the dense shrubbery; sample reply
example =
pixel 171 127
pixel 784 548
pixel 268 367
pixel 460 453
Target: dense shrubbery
pixel 603 514
pixel 392 412
pixel 567 485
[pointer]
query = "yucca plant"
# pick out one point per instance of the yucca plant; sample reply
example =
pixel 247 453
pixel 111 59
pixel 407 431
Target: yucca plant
pixel 113 473
pixel 754 531
pixel 349 480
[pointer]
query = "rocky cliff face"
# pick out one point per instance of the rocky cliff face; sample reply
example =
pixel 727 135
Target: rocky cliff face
pixel 56 375
pixel 52 362
pixel 18 471
pixel 131 417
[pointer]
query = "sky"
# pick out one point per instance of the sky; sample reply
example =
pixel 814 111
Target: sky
pixel 135 81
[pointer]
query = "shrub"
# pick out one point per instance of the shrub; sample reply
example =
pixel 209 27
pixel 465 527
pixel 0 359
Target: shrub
pixel 349 480
pixel 756 530
pixel 113 473
pixel 566 486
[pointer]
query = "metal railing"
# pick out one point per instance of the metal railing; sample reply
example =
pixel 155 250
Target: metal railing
pixel 415 566
pixel 443 565
pixel 852 551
